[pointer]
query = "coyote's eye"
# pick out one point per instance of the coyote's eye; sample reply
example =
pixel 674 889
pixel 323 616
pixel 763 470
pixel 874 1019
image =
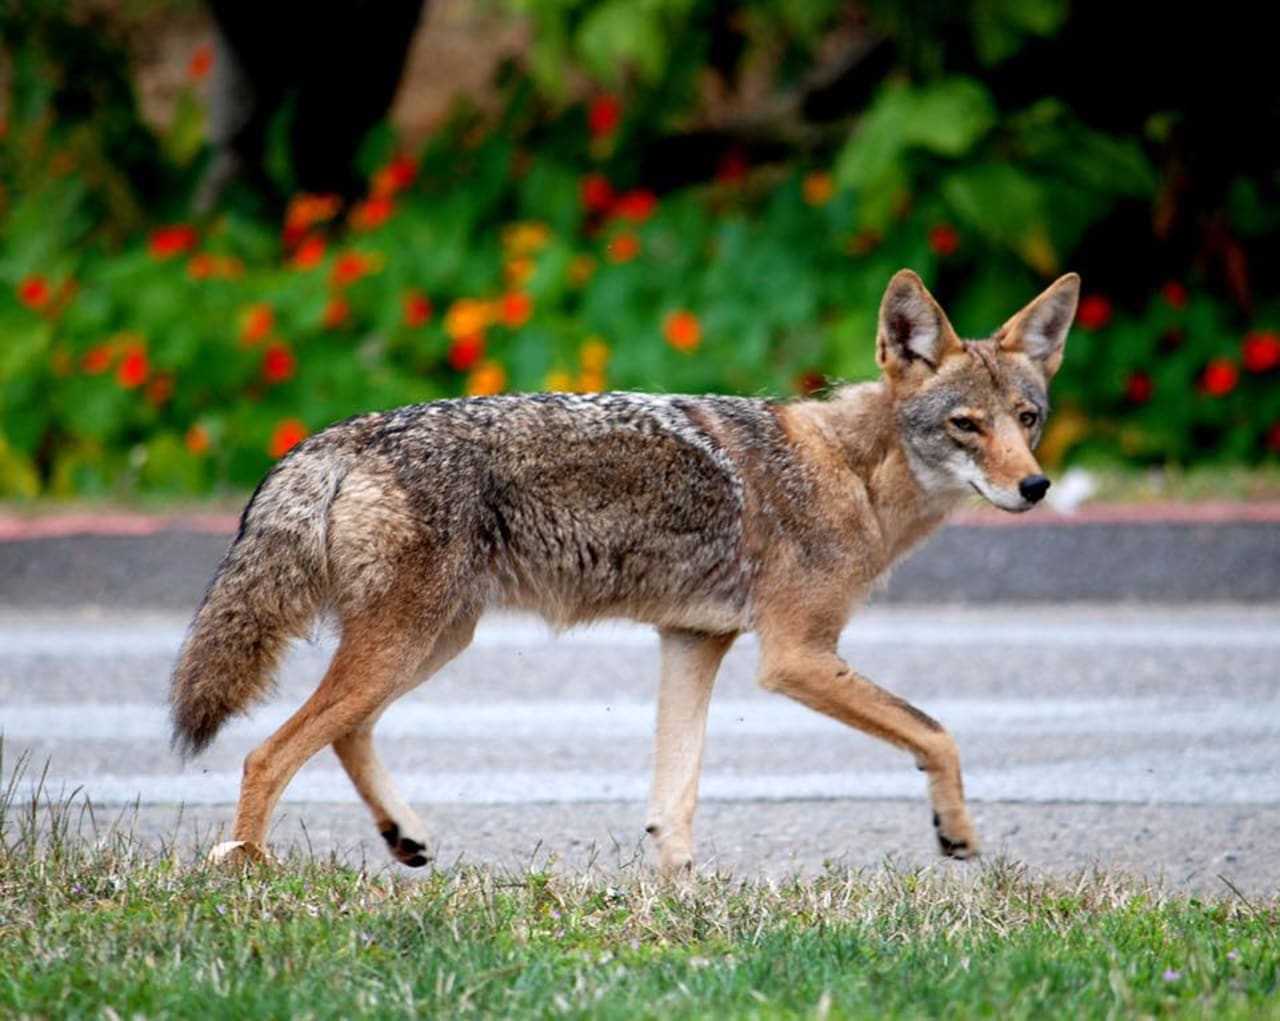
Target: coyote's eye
pixel 1029 418
pixel 966 424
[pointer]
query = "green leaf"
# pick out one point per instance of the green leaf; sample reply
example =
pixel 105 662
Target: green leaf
pixel 950 117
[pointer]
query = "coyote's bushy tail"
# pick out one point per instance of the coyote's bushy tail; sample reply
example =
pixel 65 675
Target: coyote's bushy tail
pixel 268 589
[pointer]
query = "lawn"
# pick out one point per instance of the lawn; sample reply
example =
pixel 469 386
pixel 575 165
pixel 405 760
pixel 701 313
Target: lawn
pixel 104 926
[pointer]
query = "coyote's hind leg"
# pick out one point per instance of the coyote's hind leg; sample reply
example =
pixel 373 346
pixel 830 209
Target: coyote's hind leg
pixel 396 821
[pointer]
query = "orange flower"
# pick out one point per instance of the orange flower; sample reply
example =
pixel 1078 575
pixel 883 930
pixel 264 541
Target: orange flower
pixel 278 363
pixel 818 188
pixel 133 368
pixel 464 352
pixel 305 211
pixel 1220 377
pixel 34 291
pixel 636 205
pixel 603 115
pixel 197 440
pixel 525 238
pixel 160 389
pixel 596 193
pixel 518 271
pixel 517 307
pixel 581 269
pixel 594 355
pixel 287 435
pixel 417 309
pixel 944 239
pixel 372 212
pixel 201 266
pixel 590 382
pixel 682 330
pixel 256 322
pixel 487 378
pixel 466 317
pixel 201 63
pixel 166 242
pixel 309 253
pixel 350 267
pixel 624 247
pixel 97 359
pixel 337 313
pixel 395 177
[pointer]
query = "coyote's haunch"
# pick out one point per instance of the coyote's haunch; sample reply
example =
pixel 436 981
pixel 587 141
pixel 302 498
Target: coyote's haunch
pixel 704 516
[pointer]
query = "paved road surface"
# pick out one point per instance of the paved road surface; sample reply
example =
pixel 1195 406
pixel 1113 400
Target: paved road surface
pixel 1147 739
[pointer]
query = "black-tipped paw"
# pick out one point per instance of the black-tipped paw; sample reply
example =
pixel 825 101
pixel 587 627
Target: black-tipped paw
pixel 951 848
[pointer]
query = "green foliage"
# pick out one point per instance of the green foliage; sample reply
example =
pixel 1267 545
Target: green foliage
pixel 182 357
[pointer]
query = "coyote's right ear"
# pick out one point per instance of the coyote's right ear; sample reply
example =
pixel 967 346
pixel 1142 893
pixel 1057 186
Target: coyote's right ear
pixel 913 329
pixel 1040 329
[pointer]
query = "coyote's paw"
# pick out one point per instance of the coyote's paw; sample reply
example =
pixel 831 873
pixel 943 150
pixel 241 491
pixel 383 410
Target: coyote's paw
pixel 957 838
pixel 238 853
pixel 404 848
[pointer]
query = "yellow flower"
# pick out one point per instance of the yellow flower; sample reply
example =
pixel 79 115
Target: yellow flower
pixel 467 317
pixel 591 381
pixel 489 377
pixel 558 381
pixel 524 238
pixel 581 269
pixel 594 355
pixel 818 188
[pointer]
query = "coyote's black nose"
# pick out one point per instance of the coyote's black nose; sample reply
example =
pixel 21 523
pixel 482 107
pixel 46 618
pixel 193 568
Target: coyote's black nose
pixel 1033 488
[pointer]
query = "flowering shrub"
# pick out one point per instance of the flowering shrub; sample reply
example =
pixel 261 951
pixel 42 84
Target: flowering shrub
pixel 525 253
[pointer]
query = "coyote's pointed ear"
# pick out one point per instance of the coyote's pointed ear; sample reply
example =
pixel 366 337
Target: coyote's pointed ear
pixel 1040 330
pixel 913 328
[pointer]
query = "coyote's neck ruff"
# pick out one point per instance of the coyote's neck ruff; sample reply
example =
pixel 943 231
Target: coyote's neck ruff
pixel 704 516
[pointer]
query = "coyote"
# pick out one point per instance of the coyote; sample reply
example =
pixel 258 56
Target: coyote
pixel 703 516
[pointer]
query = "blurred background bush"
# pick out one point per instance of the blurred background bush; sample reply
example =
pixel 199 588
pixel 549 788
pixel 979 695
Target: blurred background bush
pixel 222 227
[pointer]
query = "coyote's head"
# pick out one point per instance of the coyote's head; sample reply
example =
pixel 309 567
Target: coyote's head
pixel 969 413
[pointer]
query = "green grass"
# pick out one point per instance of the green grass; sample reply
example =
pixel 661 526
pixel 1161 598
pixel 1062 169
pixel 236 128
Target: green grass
pixel 91 923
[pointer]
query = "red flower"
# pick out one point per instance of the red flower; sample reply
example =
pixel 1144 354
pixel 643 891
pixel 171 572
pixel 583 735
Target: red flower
pixel 201 63
pixel 417 309
pixel 133 368
pixel 732 167
pixel 1139 388
pixel 336 313
pixel 395 177
pixel 603 115
pixel 348 268
pixel 1175 294
pixel 288 434
pixel 166 242
pixel 372 212
pixel 517 307
pixel 1220 377
pixel 596 193
pixel 278 363
pixel 310 252
pixel 944 239
pixel 160 389
pixel 636 205
pixel 1094 312
pixel 1260 350
pixel 97 359
pixel 682 330
pixel 466 351
pixel 34 292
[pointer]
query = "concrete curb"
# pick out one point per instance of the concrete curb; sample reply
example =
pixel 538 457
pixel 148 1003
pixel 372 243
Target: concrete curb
pixel 1140 553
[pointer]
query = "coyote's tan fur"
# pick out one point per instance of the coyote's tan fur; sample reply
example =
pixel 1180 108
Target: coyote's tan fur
pixel 704 516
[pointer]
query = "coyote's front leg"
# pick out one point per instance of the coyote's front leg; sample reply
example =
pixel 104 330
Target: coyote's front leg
pixel 823 681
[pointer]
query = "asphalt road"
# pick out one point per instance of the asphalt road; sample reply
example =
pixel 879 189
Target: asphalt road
pixel 1145 739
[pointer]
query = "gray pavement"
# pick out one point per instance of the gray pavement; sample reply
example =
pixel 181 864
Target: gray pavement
pixel 1140 738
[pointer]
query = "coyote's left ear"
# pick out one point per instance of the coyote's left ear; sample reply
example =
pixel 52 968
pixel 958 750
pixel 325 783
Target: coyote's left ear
pixel 1040 330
